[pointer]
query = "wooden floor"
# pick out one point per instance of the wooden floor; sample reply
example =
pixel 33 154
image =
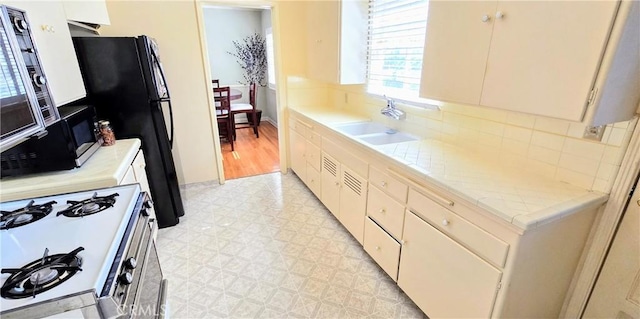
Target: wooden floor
pixel 252 156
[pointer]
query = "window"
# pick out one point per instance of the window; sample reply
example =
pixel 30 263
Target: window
pixel 396 41
pixel 271 66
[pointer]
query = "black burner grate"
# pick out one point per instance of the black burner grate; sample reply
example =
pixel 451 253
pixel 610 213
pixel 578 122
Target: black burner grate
pixel 88 206
pixel 25 215
pixel 40 275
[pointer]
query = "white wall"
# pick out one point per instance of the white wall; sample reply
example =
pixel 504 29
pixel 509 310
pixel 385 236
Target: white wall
pixel 174 25
pixel 223 26
pixel 268 97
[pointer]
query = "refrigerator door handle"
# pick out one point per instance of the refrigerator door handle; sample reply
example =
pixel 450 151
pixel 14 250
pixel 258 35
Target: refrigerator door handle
pixel 159 106
pixel 159 66
pixel 171 122
pixel 168 98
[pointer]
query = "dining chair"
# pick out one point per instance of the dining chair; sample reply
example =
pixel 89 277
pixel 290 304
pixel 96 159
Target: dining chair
pixel 216 83
pixel 249 109
pixel 223 113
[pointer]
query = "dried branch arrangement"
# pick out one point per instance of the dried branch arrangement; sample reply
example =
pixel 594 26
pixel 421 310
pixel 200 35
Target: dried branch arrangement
pixel 251 55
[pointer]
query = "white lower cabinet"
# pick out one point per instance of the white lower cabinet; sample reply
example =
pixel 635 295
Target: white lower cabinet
pixel 443 278
pixel 297 150
pixel 353 202
pixel 314 180
pixel 136 174
pixel 344 193
pixel 382 248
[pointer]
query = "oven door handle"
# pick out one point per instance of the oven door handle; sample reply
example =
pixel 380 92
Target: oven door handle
pixel 162 300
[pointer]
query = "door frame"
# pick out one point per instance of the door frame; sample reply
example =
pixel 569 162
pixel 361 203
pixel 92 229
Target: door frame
pixel 280 77
pixel 604 230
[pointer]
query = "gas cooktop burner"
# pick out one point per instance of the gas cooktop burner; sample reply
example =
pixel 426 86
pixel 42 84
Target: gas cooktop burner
pixel 40 275
pixel 25 215
pixel 88 206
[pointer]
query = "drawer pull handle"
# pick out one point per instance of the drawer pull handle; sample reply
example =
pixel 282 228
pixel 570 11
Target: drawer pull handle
pixel 377 247
pixel 384 184
pixel 382 211
pixel 421 189
pixel 445 222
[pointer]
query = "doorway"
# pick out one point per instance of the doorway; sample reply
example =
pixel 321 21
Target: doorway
pixel 225 27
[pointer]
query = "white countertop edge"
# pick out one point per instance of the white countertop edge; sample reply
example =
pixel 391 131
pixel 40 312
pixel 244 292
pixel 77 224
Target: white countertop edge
pixel 547 215
pixel 91 175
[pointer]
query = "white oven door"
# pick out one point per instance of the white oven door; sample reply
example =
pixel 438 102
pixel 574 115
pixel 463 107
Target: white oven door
pixel 151 295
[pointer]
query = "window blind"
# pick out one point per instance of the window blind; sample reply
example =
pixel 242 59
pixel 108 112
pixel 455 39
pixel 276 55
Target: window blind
pixel 395 47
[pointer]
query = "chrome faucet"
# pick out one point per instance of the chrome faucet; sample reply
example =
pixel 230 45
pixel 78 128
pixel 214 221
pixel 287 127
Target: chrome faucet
pixel 391 111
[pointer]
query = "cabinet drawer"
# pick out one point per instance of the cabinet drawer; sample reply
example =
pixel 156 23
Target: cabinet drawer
pixel 313 155
pixel 392 186
pixel 300 127
pixel 314 137
pixel 385 211
pixel 382 248
pixel 314 181
pixel 480 241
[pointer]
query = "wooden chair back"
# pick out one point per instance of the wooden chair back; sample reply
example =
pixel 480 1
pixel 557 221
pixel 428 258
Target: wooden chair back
pixel 252 95
pixel 222 98
pixel 216 83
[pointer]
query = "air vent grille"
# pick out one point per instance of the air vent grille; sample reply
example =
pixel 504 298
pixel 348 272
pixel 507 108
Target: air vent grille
pixel 330 166
pixel 353 183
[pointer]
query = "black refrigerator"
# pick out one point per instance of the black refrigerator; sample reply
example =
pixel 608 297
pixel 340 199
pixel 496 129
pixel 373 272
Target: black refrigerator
pixel 125 81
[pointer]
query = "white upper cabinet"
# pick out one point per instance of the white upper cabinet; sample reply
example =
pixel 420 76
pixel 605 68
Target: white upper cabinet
pixel 538 57
pixel 48 25
pixel 337 41
pixel 87 11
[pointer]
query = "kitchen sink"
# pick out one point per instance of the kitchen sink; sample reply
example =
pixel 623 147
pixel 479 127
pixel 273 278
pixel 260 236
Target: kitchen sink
pixel 362 128
pixel 387 138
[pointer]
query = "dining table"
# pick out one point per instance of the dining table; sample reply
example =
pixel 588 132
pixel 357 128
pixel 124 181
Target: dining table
pixel 234 94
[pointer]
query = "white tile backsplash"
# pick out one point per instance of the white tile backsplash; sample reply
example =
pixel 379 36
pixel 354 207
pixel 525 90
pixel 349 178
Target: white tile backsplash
pixel 550 147
pixel 547 140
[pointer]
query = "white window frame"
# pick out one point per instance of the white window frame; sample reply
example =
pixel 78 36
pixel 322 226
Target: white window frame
pixel 271 65
pixel 413 10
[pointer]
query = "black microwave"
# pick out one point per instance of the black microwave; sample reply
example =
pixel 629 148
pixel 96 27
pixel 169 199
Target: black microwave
pixel 68 143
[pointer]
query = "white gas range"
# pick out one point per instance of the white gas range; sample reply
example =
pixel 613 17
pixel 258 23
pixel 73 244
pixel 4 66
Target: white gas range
pixel 90 253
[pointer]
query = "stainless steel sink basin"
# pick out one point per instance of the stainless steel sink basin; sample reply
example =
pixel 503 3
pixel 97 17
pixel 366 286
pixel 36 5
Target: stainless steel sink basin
pixel 362 128
pixel 385 138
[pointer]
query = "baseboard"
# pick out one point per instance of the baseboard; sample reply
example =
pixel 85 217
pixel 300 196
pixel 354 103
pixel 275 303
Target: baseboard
pixel 268 119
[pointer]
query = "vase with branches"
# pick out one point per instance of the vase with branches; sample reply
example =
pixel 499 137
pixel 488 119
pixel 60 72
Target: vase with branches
pixel 251 55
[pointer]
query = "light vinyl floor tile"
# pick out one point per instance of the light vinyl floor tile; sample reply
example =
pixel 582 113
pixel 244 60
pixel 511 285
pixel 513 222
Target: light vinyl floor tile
pixel 265 247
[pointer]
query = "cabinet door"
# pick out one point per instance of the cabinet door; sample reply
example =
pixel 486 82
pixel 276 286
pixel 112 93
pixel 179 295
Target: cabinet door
pixel 330 184
pixel 545 54
pixel 297 146
pixel 456 49
pixel 314 181
pixel 139 165
pixel 443 278
pixel 53 41
pixel 323 26
pixel 353 202
pixel 313 155
pixel 129 177
pixel 94 11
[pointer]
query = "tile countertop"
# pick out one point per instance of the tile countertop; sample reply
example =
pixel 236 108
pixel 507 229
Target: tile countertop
pixel 105 168
pixel 522 199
